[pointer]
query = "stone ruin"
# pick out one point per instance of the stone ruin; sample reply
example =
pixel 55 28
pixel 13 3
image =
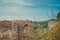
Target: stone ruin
pixel 51 25
pixel 15 29
pixel 53 30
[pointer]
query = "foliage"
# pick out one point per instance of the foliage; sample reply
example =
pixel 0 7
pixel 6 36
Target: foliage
pixel 58 16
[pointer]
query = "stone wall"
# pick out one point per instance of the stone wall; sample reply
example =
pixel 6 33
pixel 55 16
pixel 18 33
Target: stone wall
pixel 13 29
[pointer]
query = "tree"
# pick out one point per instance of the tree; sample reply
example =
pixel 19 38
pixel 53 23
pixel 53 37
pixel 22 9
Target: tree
pixel 53 15
pixel 58 16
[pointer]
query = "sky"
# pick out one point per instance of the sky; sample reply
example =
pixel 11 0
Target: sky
pixel 29 9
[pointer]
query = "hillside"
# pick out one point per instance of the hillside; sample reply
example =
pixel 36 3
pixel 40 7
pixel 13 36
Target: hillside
pixel 44 23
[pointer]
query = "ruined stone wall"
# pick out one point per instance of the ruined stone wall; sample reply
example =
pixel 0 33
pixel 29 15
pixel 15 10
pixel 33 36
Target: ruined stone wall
pixel 51 25
pixel 54 33
pixel 5 27
pixel 13 27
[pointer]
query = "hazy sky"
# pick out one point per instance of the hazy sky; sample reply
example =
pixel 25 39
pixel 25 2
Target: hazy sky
pixel 28 9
